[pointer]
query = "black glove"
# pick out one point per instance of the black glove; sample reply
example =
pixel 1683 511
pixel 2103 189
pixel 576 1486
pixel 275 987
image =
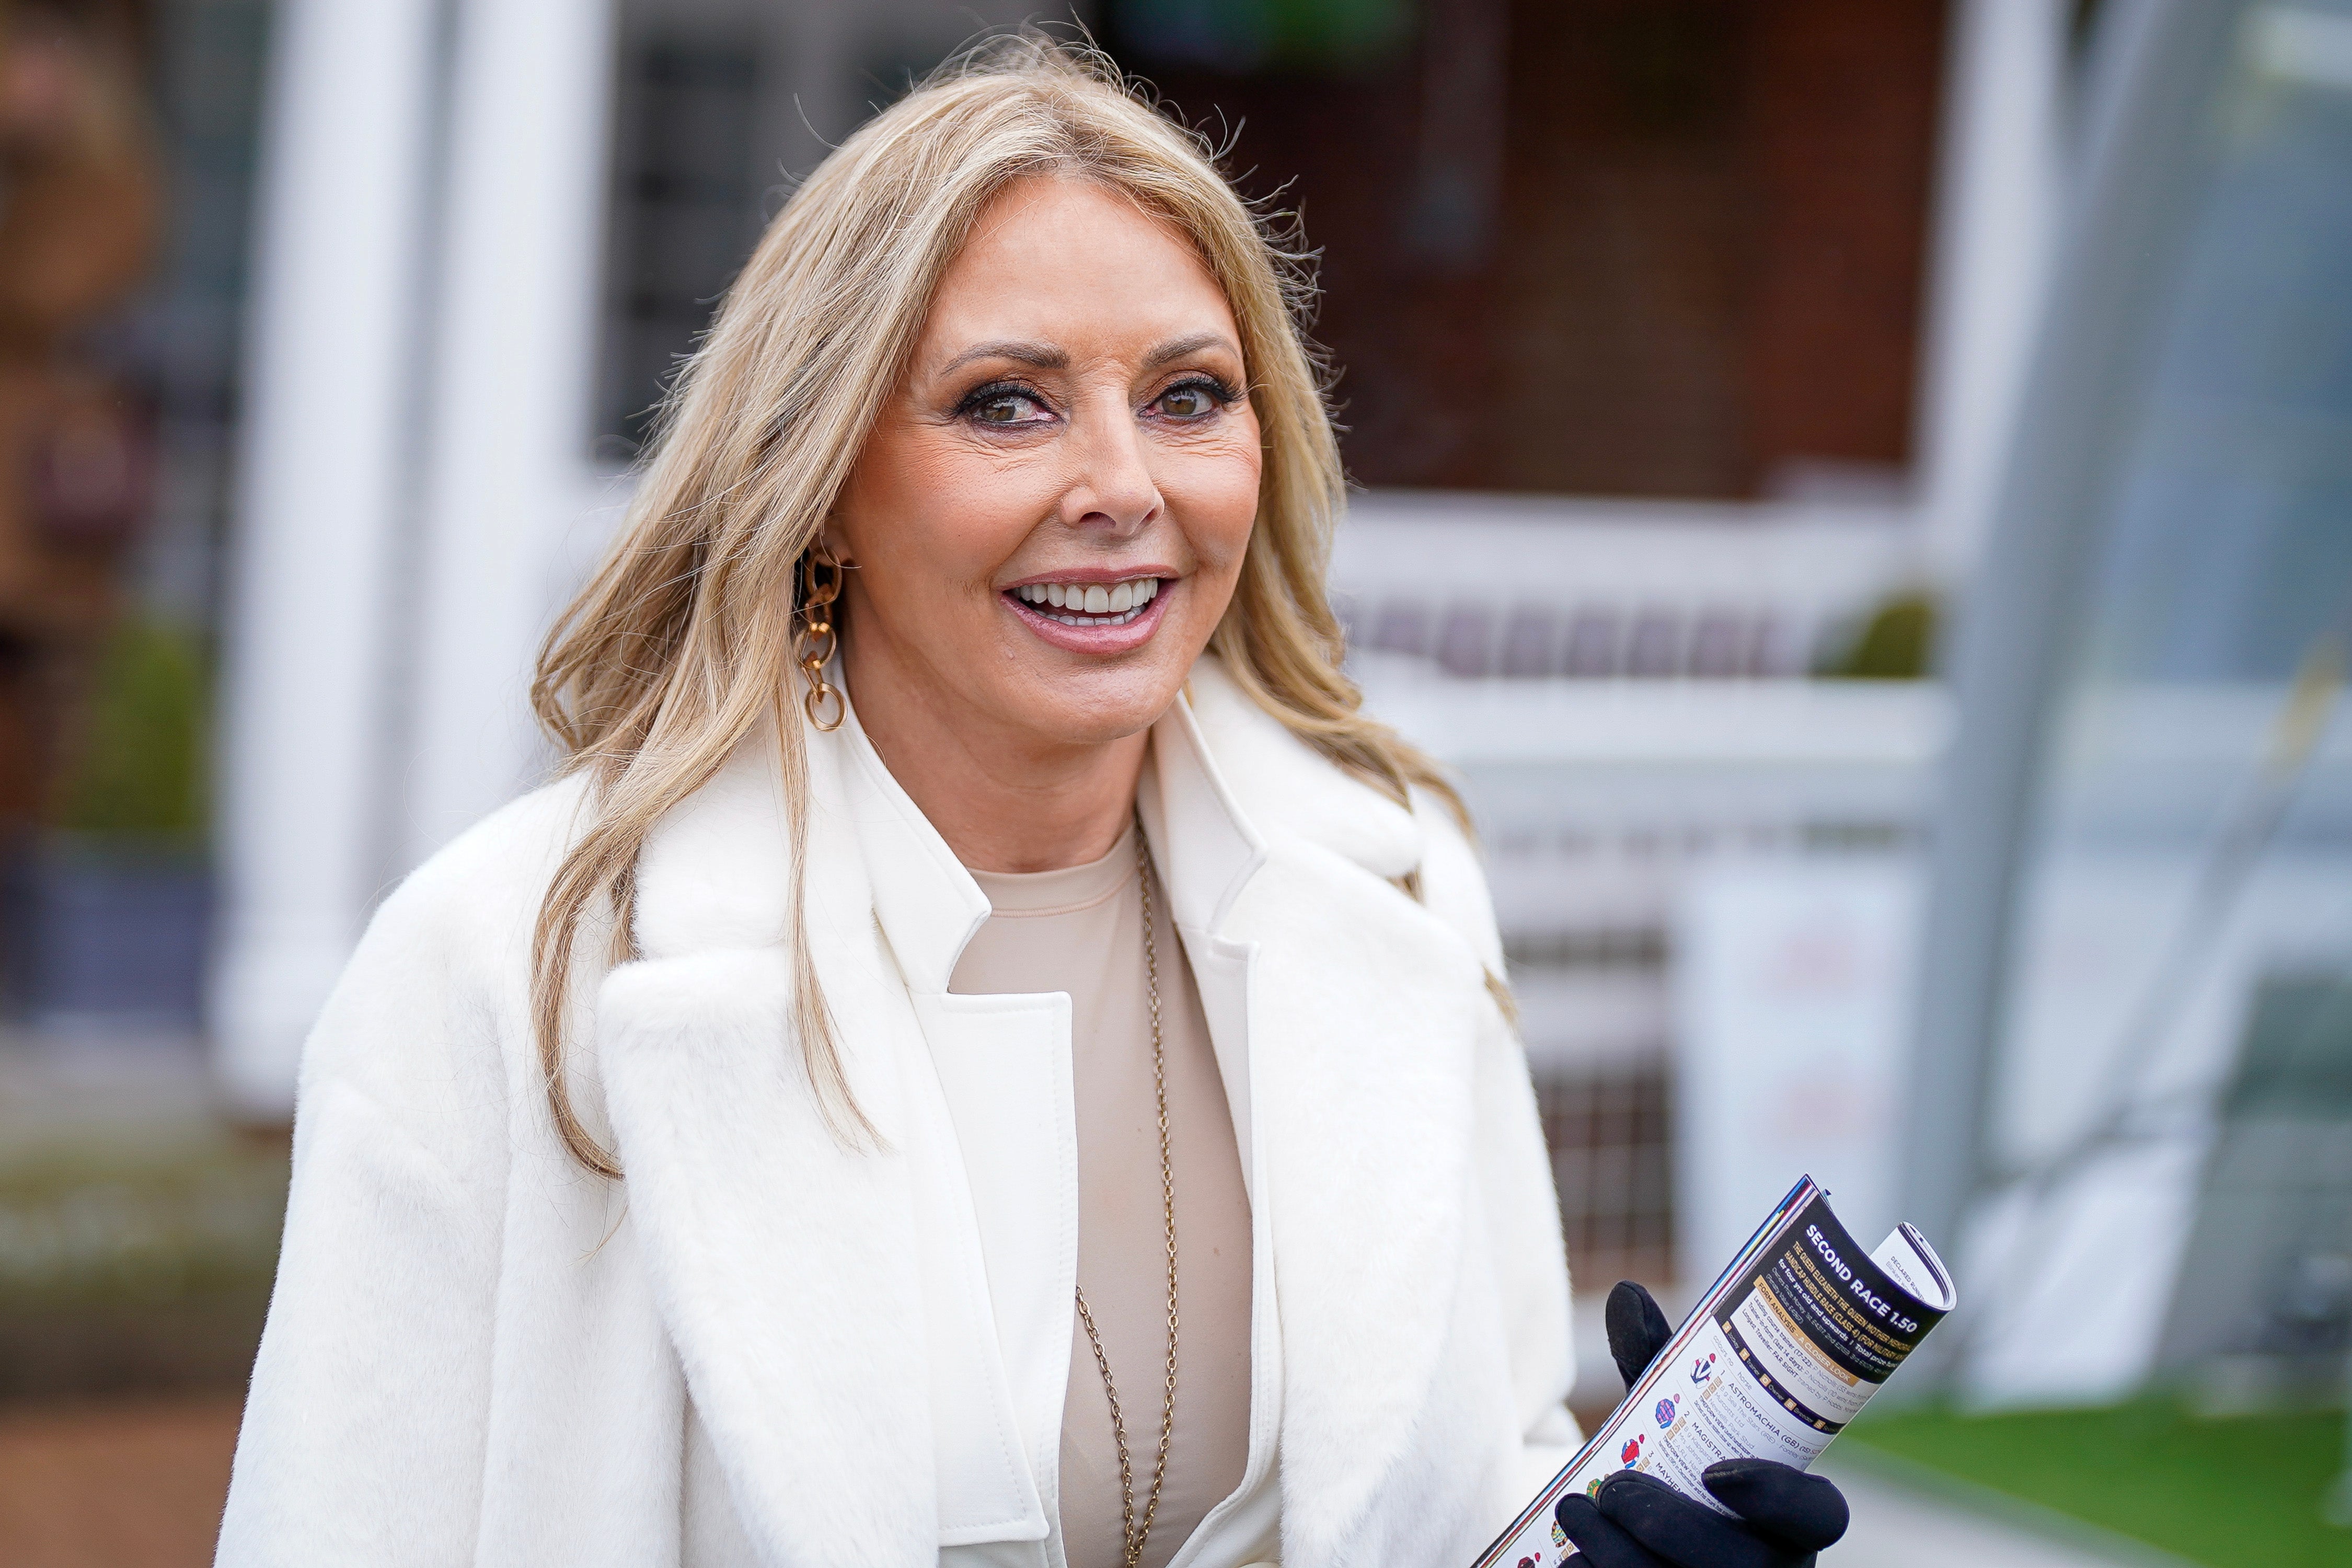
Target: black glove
pixel 1639 1521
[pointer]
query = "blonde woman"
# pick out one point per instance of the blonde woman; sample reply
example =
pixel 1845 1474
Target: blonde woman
pixel 985 1056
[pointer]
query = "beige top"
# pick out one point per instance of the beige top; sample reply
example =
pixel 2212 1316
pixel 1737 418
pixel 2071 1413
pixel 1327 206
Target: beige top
pixel 1081 931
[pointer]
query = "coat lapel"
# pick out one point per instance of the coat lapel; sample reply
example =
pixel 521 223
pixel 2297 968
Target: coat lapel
pixel 1362 1050
pixel 1361 1031
pixel 996 1070
pixel 781 1258
pixel 771 1245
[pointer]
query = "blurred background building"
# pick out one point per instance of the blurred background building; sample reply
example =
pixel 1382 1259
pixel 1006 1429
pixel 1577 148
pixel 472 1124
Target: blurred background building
pixel 1862 490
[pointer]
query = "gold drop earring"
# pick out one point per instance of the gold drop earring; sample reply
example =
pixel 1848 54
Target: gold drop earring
pixel 813 640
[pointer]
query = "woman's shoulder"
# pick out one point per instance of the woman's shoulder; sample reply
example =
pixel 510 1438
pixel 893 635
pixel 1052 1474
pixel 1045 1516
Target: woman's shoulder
pixel 428 1026
pixel 454 934
pixel 1285 788
pixel 1452 880
pixel 505 860
pixel 1288 789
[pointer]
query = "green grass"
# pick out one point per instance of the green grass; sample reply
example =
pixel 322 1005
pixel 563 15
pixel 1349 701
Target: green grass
pixel 2240 1491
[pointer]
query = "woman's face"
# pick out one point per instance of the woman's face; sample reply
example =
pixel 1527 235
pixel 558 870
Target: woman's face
pixel 1049 516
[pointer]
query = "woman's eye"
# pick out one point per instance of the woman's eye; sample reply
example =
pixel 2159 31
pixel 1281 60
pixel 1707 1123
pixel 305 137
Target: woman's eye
pixel 1189 401
pixel 1005 409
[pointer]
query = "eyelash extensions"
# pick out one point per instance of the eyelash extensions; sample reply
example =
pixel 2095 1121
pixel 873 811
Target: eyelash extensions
pixel 1214 385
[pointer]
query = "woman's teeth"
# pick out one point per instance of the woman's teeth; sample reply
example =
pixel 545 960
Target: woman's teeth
pixel 1090 604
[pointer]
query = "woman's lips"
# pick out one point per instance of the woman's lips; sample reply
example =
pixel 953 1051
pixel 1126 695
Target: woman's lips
pixel 1106 632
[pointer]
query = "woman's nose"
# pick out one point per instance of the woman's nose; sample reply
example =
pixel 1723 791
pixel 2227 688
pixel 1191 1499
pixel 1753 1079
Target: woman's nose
pixel 1113 491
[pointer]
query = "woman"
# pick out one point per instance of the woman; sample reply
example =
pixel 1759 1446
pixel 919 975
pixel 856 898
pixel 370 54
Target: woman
pixel 1032 1089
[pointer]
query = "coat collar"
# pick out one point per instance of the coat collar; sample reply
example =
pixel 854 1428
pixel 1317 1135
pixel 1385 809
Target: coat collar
pixel 929 907
pixel 717 871
pixel 1285 789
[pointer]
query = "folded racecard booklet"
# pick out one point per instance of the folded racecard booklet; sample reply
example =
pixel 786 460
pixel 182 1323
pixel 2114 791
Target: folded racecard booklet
pixel 1783 1350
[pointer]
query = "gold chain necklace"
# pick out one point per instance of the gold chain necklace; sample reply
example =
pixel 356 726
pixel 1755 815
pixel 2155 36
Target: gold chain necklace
pixel 1131 1535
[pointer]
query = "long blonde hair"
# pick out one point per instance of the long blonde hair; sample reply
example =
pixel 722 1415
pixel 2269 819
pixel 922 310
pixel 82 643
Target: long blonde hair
pixel 680 646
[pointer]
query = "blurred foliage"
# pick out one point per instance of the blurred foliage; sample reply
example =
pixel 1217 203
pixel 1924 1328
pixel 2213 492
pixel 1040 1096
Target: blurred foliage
pixel 1246 35
pixel 139 769
pixel 2227 1492
pixel 139 1224
pixel 1897 643
pixel 137 1264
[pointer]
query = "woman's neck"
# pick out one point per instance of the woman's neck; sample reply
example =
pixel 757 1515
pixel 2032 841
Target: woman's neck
pixel 1002 799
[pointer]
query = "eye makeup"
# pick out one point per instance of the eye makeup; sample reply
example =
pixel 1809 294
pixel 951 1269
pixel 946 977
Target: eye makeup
pixel 1004 392
pixel 1219 394
pixel 1029 407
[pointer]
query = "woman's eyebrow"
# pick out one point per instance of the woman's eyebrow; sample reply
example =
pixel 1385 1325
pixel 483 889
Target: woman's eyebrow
pixel 1039 356
pixel 1181 348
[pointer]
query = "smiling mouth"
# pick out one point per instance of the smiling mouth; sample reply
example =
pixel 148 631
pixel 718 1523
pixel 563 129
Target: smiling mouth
pixel 1088 604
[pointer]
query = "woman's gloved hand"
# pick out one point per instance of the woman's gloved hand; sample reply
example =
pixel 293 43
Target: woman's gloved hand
pixel 1638 1521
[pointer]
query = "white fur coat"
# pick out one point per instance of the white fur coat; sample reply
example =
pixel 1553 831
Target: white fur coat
pixel 763 1347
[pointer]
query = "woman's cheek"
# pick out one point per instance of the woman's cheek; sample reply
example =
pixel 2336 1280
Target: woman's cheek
pixel 971 510
pixel 1227 506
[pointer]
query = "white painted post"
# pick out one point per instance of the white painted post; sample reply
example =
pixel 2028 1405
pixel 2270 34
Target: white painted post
pixel 509 404
pixel 305 687
pixel 2000 188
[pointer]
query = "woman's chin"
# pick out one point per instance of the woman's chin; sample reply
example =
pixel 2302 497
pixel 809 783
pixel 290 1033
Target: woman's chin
pixel 1092 705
